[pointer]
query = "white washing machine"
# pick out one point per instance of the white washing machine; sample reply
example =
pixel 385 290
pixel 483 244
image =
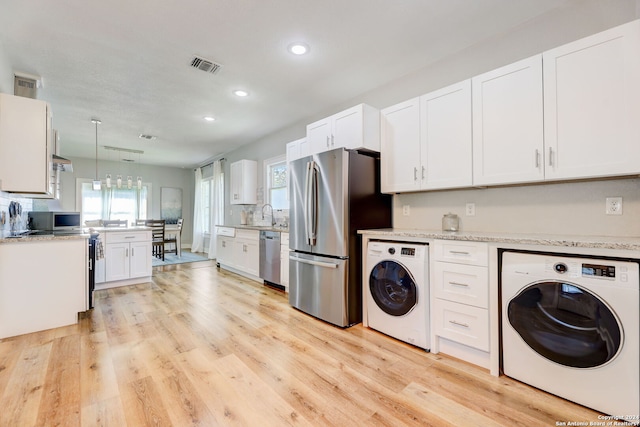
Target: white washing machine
pixel 570 326
pixel 397 290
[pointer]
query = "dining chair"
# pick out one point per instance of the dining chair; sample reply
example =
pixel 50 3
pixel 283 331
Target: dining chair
pixel 157 236
pixel 173 239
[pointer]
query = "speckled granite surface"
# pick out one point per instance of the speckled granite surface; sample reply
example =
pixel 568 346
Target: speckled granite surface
pixel 604 242
pixel 27 239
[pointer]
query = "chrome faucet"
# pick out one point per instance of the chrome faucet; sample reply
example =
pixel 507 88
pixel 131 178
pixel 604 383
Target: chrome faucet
pixel 273 218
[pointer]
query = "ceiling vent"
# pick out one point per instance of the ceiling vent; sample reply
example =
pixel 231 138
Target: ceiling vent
pixel 26 85
pixel 147 137
pixel 205 65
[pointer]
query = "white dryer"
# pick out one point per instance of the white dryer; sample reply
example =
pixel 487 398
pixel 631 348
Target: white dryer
pixel 397 290
pixel 570 327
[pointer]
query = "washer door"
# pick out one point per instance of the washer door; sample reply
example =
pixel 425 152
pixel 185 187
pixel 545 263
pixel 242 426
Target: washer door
pixel 566 324
pixel 393 288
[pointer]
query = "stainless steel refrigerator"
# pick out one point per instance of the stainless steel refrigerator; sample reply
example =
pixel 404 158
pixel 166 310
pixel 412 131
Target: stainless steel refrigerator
pixel 332 195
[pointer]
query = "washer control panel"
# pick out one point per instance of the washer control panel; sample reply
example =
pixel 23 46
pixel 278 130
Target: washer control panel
pixel 599 270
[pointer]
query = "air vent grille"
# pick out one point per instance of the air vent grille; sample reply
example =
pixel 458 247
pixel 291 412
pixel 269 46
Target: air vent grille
pixel 205 65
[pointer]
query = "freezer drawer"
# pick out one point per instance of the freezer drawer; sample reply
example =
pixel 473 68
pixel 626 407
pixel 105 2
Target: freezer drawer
pixel 318 286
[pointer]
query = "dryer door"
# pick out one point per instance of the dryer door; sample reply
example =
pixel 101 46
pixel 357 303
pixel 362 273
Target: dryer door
pixel 566 324
pixel 393 288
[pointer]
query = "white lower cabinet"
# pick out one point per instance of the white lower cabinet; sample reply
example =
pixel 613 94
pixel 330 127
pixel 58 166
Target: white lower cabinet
pixel 246 251
pixel 239 252
pixel 127 255
pixel 43 284
pixel 460 300
pixel 284 260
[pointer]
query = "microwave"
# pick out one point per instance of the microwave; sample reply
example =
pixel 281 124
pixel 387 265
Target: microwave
pixel 52 221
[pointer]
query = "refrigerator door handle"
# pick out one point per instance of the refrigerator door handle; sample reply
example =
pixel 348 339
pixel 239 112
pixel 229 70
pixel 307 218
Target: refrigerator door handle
pixel 310 203
pixel 311 262
pixel 307 183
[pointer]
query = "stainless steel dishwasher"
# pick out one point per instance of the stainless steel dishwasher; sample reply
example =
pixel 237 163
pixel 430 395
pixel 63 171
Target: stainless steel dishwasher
pixel 270 258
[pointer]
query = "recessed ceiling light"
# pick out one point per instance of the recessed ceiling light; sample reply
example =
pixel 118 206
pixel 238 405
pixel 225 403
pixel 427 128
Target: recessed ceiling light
pixel 147 137
pixel 241 93
pixel 209 118
pixel 298 48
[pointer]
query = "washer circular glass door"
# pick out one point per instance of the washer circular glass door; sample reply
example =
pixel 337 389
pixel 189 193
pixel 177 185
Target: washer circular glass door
pixel 566 324
pixel 393 288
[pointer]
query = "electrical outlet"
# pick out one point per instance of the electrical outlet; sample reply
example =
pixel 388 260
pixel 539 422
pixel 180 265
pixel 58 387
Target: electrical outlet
pixel 614 206
pixel 470 209
pixel 406 210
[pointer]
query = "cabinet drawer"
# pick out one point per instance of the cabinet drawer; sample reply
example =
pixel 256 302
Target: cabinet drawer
pixel 467 284
pixel 226 231
pixel 462 323
pixel 247 234
pixel 127 237
pixel 461 252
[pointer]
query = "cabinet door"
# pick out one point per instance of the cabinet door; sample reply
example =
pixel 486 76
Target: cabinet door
pixel 140 259
pixel 25 145
pixel 252 257
pixel 508 124
pixel 243 185
pixel 445 133
pixel 592 105
pixel 400 147
pixel 319 136
pixel 225 250
pixel 117 261
pixel 347 128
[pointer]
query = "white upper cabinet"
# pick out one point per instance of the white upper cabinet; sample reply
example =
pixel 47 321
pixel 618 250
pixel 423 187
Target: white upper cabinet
pixel 244 182
pixel 297 149
pixel 400 147
pixel 592 105
pixel 426 141
pixel 508 144
pixel 445 135
pixel 25 146
pixel 355 128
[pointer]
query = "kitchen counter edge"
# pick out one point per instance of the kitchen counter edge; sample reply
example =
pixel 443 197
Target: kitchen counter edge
pixel 256 227
pixel 31 239
pixel 602 242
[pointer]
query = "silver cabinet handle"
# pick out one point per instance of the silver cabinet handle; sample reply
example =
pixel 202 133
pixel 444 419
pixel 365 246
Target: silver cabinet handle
pixel 550 156
pixel 129 237
pixel 459 284
pixel 459 252
pixel 415 174
pixel 464 325
pixel 423 170
pixel 537 158
pixel 327 141
pixel 126 253
pixel 132 254
pixel 332 140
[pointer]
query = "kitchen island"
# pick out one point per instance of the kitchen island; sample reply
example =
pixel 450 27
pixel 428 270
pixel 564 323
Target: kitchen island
pixel 43 282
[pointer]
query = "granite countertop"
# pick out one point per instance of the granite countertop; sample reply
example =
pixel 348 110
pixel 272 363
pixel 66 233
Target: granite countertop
pixel 6 238
pixel 604 242
pixel 258 227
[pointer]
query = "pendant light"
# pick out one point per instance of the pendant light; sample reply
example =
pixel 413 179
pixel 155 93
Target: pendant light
pixel 96 183
pixel 139 179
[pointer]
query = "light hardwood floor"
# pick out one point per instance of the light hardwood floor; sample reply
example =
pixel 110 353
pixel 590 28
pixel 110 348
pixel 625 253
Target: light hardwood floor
pixel 202 347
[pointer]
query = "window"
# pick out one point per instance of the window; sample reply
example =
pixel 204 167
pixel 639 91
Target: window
pixel 276 182
pixel 113 203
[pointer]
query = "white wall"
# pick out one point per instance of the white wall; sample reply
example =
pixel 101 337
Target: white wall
pixel 569 208
pixel 158 176
pixel 6 73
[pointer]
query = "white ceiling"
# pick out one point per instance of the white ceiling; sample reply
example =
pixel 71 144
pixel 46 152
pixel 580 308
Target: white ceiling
pixel 127 62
